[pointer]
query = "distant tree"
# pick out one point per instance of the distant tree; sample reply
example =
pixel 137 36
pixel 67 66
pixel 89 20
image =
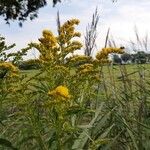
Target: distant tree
pixel 116 59
pixel 148 57
pixel 126 57
pixel 133 59
pixel 140 57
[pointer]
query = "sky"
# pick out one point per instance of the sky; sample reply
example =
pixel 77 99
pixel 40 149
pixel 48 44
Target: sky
pixel 121 17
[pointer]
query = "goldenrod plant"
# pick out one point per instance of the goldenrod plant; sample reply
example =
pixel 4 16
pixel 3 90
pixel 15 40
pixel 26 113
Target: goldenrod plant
pixel 72 101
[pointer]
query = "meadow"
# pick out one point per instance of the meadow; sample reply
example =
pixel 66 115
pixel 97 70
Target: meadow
pixel 73 103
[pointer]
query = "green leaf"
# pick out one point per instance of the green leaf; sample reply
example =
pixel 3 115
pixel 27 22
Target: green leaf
pixel 133 138
pixel 85 135
pixel 7 143
pixel 131 134
pixel 81 141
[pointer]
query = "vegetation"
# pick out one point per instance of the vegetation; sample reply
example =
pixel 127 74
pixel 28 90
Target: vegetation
pixel 29 64
pixel 21 9
pixel 139 57
pixel 72 101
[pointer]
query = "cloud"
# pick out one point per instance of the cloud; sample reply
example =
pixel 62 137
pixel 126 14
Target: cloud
pixel 121 17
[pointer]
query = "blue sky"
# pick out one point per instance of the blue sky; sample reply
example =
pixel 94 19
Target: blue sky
pixel 121 17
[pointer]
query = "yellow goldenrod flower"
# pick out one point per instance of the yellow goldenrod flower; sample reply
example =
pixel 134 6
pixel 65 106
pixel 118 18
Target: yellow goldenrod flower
pixel 62 69
pixel 54 49
pixel 12 70
pixel 77 34
pixel 87 66
pixel 48 40
pixel 47 33
pixel 67 31
pixel 75 45
pixel 85 71
pixel 80 58
pixel 60 91
pixel 103 54
pixel 7 65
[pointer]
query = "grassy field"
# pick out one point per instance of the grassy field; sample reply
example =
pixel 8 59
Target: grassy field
pixel 111 113
pixel 114 72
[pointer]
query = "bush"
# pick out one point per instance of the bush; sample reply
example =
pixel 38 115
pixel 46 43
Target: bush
pixel 29 64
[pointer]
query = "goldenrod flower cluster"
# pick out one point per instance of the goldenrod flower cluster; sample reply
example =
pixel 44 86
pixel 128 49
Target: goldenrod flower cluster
pixel 75 45
pixel 12 71
pixel 67 31
pixel 47 46
pixel 79 59
pixel 62 69
pixel 53 49
pixel 8 65
pixel 88 71
pixel 102 55
pixel 66 35
pixel 60 92
pixel 86 68
pixel 48 40
pixel 46 57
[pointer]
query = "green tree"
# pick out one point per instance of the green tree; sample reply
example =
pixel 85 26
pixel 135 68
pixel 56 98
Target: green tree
pixel 140 57
pixel 148 57
pixel 20 10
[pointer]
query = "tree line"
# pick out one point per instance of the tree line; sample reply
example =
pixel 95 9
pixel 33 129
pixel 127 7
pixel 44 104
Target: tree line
pixel 139 57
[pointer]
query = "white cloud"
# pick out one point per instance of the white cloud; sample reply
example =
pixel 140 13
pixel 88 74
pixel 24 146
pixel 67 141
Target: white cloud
pixel 121 17
pixel 124 16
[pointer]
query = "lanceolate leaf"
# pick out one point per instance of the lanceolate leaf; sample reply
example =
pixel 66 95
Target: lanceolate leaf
pixel 7 143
